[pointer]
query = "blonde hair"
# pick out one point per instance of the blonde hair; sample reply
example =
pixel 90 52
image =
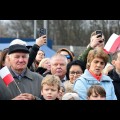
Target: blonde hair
pixel 97 52
pixel 42 61
pixel 51 80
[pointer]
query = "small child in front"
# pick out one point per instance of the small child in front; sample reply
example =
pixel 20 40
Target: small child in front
pixel 96 92
pixel 50 87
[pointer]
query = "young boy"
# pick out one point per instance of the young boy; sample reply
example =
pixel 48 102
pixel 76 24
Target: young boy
pixel 96 92
pixel 50 87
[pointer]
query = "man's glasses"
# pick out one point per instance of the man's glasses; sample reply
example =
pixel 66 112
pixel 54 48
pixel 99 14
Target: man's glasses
pixel 67 56
pixel 77 72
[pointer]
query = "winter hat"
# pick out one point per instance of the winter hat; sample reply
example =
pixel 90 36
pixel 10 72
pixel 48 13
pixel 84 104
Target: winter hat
pixel 18 41
pixel 17 48
pixel 69 52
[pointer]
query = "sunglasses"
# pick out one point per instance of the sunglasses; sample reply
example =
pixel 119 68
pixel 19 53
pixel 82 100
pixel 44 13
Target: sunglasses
pixel 67 56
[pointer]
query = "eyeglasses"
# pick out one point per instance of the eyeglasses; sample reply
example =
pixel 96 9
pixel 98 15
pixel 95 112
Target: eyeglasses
pixel 67 56
pixel 77 72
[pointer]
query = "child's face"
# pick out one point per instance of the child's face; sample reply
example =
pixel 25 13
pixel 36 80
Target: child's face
pixel 61 93
pixel 96 97
pixel 49 92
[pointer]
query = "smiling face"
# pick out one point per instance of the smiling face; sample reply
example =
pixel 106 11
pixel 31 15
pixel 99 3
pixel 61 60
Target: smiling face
pixel 75 72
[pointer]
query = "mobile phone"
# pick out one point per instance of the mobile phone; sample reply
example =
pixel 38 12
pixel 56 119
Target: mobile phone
pixel 99 32
pixel 42 32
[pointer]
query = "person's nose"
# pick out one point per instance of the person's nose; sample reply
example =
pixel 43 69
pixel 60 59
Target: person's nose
pixel 21 59
pixel 99 64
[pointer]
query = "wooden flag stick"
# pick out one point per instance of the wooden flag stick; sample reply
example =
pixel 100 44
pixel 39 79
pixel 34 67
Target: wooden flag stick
pixel 17 87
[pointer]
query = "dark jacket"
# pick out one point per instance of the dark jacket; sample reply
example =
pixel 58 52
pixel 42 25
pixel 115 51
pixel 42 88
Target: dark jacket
pixel 41 70
pixel 42 98
pixel 83 56
pixel 116 82
pixel 32 56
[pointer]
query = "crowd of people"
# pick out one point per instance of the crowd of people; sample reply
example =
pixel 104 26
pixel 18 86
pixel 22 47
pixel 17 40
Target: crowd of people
pixel 94 75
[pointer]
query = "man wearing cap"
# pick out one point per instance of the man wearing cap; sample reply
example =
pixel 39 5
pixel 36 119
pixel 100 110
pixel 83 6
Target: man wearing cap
pixel 26 84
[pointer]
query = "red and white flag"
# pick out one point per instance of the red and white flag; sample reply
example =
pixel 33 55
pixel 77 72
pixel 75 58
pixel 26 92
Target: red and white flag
pixel 6 75
pixel 113 43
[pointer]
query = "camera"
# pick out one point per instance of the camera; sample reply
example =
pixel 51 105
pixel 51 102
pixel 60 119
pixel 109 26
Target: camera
pixel 42 32
pixel 99 32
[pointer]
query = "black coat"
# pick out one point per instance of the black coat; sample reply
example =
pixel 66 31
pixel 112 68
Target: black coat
pixel 42 98
pixel 41 70
pixel 32 55
pixel 116 82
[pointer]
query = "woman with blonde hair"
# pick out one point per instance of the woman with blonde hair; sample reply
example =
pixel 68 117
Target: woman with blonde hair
pixel 44 66
pixel 96 61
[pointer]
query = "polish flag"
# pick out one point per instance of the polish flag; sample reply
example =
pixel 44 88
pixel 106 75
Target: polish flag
pixel 113 43
pixel 6 75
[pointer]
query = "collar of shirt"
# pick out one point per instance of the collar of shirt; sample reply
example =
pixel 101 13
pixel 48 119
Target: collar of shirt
pixel 98 77
pixel 19 76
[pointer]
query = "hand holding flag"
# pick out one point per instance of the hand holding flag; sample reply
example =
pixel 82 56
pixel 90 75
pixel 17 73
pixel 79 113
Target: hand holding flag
pixel 7 77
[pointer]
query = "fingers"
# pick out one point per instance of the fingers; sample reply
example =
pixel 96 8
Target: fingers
pixel 24 96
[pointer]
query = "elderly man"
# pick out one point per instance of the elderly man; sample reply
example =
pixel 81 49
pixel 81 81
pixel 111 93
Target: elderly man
pixel 26 85
pixel 58 66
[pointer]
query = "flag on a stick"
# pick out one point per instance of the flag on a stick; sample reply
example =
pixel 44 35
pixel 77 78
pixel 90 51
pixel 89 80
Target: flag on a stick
pixel 113 43
pixel 6 75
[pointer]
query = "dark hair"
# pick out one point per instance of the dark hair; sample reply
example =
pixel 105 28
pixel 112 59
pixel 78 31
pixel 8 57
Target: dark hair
pixel 75 62
pixel 3 56
pixel 42 51
pixel 68 51
pixel 97 89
